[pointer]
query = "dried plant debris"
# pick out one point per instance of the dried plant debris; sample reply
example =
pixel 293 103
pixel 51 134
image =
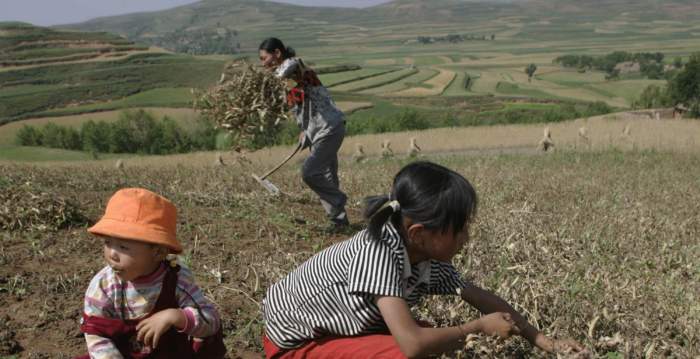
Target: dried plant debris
pixel 27 207
pixel 247 101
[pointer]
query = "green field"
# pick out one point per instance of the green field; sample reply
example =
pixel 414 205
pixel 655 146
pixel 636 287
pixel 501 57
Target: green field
pixel 375 81
pixel 330 80
pixel 403 84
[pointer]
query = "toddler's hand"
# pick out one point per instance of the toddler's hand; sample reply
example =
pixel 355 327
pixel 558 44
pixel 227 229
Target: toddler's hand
pixel 498 323
pixel 150 329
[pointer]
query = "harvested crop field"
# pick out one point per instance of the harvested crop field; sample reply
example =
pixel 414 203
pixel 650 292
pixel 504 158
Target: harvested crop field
pixel 599 246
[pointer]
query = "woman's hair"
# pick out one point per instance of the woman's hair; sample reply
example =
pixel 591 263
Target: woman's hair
pixel 272 43
pixel 427 193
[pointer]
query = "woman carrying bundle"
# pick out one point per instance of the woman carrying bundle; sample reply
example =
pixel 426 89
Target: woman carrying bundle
pixel 321 123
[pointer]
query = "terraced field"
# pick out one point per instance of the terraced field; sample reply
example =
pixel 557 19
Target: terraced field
pixel 417 78
pixel 330 80
pixel 432 87
pixel 375 81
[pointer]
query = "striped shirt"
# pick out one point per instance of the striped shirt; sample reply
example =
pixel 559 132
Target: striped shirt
pixel 333 292
pixel 103 299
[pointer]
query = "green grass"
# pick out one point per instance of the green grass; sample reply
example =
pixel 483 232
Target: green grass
pixel 457 87
pixel 180 97
pixel 627 89
pixel 507 88
pixel 428 60
pixel 330 80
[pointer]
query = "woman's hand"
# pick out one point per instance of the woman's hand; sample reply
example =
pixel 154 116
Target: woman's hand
pixel 498 323
pixel 150 329
pixel 301 136
pixel 553 346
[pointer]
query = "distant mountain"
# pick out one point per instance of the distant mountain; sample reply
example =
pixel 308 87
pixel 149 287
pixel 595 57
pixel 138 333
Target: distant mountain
pixel 245 22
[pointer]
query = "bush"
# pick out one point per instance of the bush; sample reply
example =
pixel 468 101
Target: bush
pixel 134 132
pixel 409 120
pixel 28 136
pixel 597 108
pixel 449 120
pixel 368 125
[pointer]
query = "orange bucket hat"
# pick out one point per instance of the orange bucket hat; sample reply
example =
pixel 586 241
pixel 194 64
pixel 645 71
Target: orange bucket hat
pixel 140 215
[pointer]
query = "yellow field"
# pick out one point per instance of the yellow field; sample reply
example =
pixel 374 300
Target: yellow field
pixel 380 62
pixel 439 83
pixel 346 106
pixel 604 132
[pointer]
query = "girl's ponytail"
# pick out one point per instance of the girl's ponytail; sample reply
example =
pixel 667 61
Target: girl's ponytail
pixel 378 217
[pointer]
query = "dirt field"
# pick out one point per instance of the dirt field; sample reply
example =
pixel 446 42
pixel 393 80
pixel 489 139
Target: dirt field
pixel 598 246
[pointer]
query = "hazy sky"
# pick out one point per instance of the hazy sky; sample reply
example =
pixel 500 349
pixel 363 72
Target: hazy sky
pixel 56 12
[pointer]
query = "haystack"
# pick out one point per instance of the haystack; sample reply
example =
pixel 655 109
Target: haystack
pixel 359 155
pixel 583 134
pixel 31 208
pixel 218 161
pixel 386 151
pixel 546 142
pixel 626 133
pixel 247 101
pixel 413 150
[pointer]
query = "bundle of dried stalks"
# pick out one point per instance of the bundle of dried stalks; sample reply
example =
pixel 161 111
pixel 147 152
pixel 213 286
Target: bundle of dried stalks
pixel 31 208
pixel 247 101
pixel 359 154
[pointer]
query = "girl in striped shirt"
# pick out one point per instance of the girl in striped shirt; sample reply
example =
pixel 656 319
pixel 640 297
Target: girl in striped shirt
pixel 353 299
pixel 141 305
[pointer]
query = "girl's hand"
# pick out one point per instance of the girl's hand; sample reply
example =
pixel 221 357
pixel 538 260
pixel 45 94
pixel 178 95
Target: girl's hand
pixel 498 323
pixel 301 136
pixel 150 329
pixel 558 345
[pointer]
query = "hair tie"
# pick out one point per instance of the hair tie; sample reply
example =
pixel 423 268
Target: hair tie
pixel 395 206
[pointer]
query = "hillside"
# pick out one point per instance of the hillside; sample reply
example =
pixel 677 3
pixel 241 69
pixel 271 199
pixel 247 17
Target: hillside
pixel 392 22
pixel 45 70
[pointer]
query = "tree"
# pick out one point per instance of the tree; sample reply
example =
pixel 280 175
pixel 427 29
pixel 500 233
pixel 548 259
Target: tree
pixel 678 62
pixel 424 39
pixel 651 96
pixel 493 37
pixel 615 75
pixel 530 70
pixel 28 136
pixel 653 74
pixel 684 88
